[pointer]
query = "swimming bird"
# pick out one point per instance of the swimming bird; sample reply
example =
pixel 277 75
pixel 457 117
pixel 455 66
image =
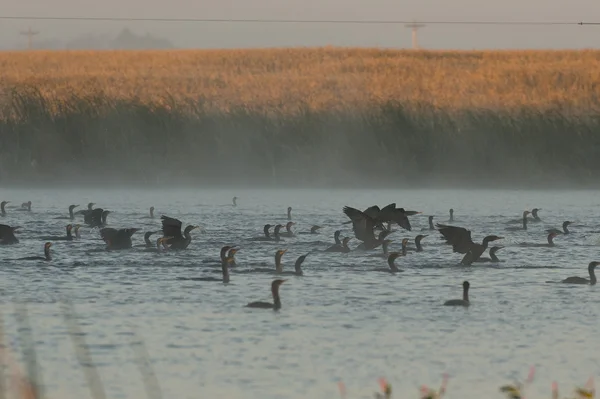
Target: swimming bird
pixel 276 305
pixel 46 257
pixel 534 213
pixel 418 245
pixel 460 239
pixel 267 235
pixel 392 266
pixel 384 248
pixel 524 221
pixel 493 258
pixel 231 256
pixel 461 302
pixel 3 207
pixel 430 219
pixel 68 237
pixel 581 280
pixel 25 207
pixel 278 254
pixel 565 229
pixel 171 227
pixel 336 237
pixel 289 213
pixel 147 243
pixel 71 214
pixel 117 239
pixel 536 245
pixel 342 247
pixel 224 270
pixel 234 201
pixel 7 234
pixel 288 228
pixel 313 230
pixel 372 245
pixel 160 242
pixel 297 266
pixel 151 213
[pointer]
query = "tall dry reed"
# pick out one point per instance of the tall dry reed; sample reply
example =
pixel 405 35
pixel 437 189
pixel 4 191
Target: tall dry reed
pixel 314 116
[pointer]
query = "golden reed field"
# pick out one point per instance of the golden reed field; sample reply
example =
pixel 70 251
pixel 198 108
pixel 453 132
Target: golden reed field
pixel 283 80
pixel 329 116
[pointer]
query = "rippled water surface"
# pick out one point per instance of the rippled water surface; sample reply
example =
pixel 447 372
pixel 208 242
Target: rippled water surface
pixel 341 321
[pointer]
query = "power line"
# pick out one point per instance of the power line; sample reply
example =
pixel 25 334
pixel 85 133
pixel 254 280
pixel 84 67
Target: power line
pixel 296 21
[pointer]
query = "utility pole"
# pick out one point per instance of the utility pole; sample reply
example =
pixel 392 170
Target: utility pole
pixel 29 33
pixel 415 26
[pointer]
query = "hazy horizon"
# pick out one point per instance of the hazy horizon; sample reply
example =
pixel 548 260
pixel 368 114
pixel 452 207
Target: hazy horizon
pixel 243 35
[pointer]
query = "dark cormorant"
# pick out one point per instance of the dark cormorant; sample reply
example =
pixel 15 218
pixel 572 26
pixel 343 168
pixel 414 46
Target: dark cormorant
pixel 460 239
pixel 363 226
pixel 157 247
pixel 46 257
pixel 297 266
pixel 313 230
pixel 266 237
pixel 392 266
pixel 289 213
pixel 534 213
pixel 234 201
pixel 171 227
pixel 493 258
pixel 278 254
pixel 224 269
pixel 581 280
pixel 363 246
pixel 342 247
pixel 117 239
pixel 276 305
pixel 288 228
pixel 25 206
pixel 90 207
pixel 536 245
pixel 95 217
pixel 231 256
pixel 3 207
pixel 565 229
pixel 391 214
pixel 7 234
pixel 524 220
pixel 336 237
pixel 461 302
pixel 276 233
pixel 431 227
pixel 384 249
pixel 147 243
pixel 151 213
pixel 71 214
pixel 77 227
pixel 418 246
pixel 451 215
pixel 68 237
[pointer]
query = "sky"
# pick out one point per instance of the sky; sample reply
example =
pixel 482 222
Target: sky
pixel 243 35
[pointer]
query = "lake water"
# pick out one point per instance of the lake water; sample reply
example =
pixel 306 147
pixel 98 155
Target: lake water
pixel 341 321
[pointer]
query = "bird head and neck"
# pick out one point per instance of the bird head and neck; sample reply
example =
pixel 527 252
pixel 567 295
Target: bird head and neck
pixel 278 256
